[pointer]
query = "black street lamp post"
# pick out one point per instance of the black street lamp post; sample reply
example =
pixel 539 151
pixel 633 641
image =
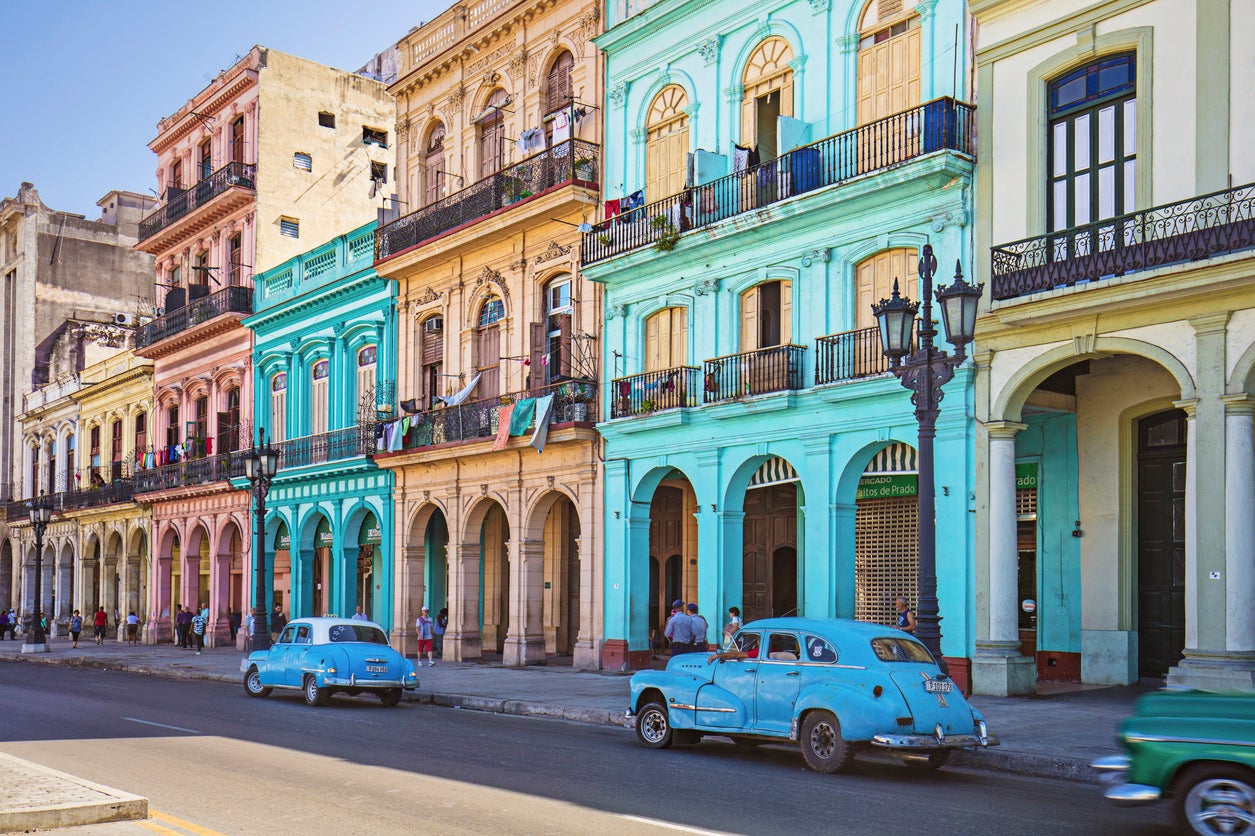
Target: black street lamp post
pixel 40 514
pixel 261 462
pixel 924 371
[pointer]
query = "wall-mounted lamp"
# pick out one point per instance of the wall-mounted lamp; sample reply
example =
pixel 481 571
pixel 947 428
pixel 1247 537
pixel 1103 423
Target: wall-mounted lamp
pixel 1076 532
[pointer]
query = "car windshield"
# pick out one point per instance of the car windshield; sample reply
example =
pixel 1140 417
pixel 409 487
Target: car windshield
pixel 900 650
pixel 356 633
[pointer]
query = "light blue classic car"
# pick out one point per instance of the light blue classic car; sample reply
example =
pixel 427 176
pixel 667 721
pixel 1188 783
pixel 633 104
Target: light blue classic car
pixel 832 686
pixel 323 656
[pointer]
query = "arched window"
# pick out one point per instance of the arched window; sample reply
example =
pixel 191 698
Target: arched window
pixel 874 277
pixel 667 143
pixel 666 339
pixel 433 165
pixel 1092 149
pixel 279 407
pixel 888 60
pixel 492 134
pixel 767 315
pixel 141 439
pixel 558 95
pixel 70 463
pixel 768 81
pixel 318 408
pixel 366 358
pixel 488 347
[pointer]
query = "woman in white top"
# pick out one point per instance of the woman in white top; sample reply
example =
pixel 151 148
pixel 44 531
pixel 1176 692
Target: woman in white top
pixel 734 624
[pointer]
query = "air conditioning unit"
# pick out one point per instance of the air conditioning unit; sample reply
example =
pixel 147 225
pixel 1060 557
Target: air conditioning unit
pixel 435 323
pixel 123 319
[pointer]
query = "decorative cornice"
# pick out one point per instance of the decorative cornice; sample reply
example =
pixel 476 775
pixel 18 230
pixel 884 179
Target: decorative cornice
pixel 617 94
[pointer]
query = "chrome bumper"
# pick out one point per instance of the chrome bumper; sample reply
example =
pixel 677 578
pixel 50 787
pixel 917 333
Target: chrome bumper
pixel 364 684
pixel 1111 774
pixel 937 740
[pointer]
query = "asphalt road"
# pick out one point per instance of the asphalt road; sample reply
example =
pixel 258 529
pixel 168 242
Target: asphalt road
pixel 212 760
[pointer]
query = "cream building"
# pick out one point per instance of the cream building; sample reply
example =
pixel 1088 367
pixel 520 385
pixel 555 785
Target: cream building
pixel 1116 473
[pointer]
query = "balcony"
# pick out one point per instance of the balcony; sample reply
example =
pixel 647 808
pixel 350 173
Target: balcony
pixel 642 394
pixel 346 443
pixel 567 162
pixel 942 124
pixel 760 372
pixel 849 356
pixel 120 490
pixel 1214 224
pixel 228 300
pixel 574 400
pixel 182 202
pixel 219 468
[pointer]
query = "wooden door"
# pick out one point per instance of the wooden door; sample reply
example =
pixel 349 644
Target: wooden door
pixel 666 144
pixel 888 84
pixel 488 361
pixel 873 281
pixel 1161 576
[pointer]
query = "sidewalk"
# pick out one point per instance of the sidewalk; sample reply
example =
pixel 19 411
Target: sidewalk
pixel 1051 735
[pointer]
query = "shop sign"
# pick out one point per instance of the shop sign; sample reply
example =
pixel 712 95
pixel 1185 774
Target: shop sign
pixel 1026 476
pixel 322 535
pixel 886 485
pixel 283 540
pixel 371 536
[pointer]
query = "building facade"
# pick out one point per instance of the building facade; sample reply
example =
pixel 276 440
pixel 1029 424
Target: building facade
pixel 324 365
pixel 1114 379
pixel 274 153
pixel 768 176
pixel 499 163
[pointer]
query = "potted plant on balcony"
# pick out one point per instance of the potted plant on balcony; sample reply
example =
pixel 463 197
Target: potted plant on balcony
pixel 585 169
pixel 668 235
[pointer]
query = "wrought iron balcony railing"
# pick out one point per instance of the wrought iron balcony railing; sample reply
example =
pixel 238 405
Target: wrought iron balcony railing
pixel 220 468
pixel 641 394
pixel 937 125
pixel 17 510
pixel 331 446
pixel 228 300
pixel 120 490
pixel 179 202
pixel 849 356
pixel 774 369
pixel 566 162
pixel 574 400
pixel 1213 224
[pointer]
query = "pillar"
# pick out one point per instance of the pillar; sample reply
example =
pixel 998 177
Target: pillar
pixel 1239 522
pixel 525 633
pixel 463 640
pixel 219 630
pixel 998 669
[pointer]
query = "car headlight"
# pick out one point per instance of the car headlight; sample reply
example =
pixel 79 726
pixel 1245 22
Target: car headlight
pixel 331 669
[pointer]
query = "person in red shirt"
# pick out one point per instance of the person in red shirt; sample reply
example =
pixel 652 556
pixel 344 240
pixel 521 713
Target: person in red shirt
pixel 102 620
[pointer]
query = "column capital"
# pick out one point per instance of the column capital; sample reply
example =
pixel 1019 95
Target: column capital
pixel 1210 323
pixel 1004 429
pixel 1190 405
pixel 1242 404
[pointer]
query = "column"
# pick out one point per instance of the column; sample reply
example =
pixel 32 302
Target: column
pixel 1239 522
pixel 463 639
pixel 998 669
pixel 525 634
pixel 219 630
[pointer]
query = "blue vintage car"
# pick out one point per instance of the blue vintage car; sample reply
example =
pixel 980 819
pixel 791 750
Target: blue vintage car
pixel 832 686
pixel 324 656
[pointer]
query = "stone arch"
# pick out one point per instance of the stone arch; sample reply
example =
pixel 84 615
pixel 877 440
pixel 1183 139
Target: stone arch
pixel 1242 379
pixel 1010 399
pixel 534 517
pixel 642 491
pixel 738 481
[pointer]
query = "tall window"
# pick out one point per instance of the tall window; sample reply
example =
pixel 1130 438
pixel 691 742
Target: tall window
pixel 888 60
pixel 172 430
pixel 202 425
pixel 1092 155
pixel 666 339
pixel 431 342
pixel 52 466
pixel 558 328
pixel 115 449
pixel 767 315
pixel 279 407
pixel 318 397
pixel 176 175
pixel 206 159
pixel 558 95
pixel 873 281
pixel 488 347
pixel 366 359
pixel 229 423
pixel 141 435
pixel 768 81
pixel 94 436
pixel 237 140
pixel 666 143
pixel 70 464
pixel 492 135
pixel 235 251
pixel 433 165
pixel 34 475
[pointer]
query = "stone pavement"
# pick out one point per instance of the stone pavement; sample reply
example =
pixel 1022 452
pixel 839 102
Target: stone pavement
pixel 35 797
pixel 1054 734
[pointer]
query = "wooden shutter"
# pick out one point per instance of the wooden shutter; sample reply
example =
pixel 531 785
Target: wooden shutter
pixel 279 415
pixel 679 337
pixel 537 341
pixel 873 281
pixel 749 319
pixel 749 121
pixel 564 344
pixel 488 362
pixel 786 313
pixel 223 433
pixel 654 360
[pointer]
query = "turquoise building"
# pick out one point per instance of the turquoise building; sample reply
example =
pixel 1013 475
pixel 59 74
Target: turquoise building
pixel 324 372
pixel 769 172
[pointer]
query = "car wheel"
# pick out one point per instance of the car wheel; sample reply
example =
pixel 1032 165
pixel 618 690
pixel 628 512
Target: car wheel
pixel 313 694
pixel 932 759
pixel 253 686
pixel 653 726
pixel 390 696
pixel 823 747
pixel 1216 798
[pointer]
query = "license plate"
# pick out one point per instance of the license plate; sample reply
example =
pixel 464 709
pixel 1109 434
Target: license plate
pixel 937 686
pixel 376 668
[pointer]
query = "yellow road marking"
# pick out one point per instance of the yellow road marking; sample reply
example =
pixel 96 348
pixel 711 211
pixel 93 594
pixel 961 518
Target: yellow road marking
pixel 156 828
pixel 184 825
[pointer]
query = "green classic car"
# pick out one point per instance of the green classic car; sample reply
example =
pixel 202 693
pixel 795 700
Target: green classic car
pixel 1195 748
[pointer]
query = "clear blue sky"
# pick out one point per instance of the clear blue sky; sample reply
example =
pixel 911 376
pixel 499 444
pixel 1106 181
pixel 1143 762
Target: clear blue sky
pixel 84 81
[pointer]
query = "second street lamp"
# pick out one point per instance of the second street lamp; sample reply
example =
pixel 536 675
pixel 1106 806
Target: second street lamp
pixel 923 369
pixel 40 515
pixel 261 462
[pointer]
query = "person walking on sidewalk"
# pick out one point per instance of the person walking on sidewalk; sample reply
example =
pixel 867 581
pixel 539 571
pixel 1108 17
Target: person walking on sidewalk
pixel 132 629
pixel 182 626
pixel 4 622
pixel 198 630
pixel 424 626
pixel 101 621
pixel 277 623
pixel 76 627
pixel 12 624
pixel 442 624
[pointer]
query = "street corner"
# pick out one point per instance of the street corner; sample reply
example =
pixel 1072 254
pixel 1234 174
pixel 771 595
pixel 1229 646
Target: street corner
pixel 34 797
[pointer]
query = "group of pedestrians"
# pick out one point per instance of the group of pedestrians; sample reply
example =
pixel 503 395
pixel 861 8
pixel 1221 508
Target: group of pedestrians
pixel 686 628
pixel 189 627
pixel 430 633
pixel 8 624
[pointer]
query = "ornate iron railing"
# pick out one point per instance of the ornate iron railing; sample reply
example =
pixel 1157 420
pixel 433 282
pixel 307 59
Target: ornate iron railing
pixel 120 490
pixel 774 369
pixel 228 300
pixel 219 468
pixel 849 356
pixel 937 125
pixel 570 161
pixel 1213 224
pixel 179 202
pixel 574 400
pixel 641 394
pixel 17 510
pixel 330 446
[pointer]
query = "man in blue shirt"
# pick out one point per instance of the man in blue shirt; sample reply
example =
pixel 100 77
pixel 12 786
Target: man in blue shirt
pixel 679 629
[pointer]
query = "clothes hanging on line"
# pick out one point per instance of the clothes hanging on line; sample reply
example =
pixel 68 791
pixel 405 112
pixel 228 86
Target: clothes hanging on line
pixel 740 158
pixel 521 418
pixel 454 400
pixel 541 435
pixel 532 139
pixel 561 127
pixel 503 426
pixel 612 208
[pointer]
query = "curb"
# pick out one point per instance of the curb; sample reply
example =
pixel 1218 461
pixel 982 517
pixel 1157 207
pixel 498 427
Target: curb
pixel 114 805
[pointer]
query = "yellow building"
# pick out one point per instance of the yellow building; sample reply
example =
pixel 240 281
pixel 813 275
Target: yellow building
pixel 498 163
pixel 114 413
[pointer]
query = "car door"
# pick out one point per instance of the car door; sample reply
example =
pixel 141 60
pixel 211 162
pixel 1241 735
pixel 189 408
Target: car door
pixel 779 681
pixel 932 698
pixel 275 671
pixel 294 670
pixel 728 701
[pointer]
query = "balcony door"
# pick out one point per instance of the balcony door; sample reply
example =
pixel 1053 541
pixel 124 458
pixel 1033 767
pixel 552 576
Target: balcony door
pixel 888 83
pixel 431 348
pixel 488 348
pixel 279 407
pixel 666 339
pixel 767 316
pixel 492 135
pixel 874 278
pixel 768 82
pixel 433 165
pixel 318 407
pixel 367 360
pixel 666 143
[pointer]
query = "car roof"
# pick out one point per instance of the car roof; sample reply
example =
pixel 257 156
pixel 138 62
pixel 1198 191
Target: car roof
pixel 845 626
pixel 329 621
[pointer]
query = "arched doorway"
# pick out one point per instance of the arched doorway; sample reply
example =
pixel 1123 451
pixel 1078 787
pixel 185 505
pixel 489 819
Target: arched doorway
pixel 886 547
pixel 63 590
pixel 1161 572
pixel 672 547
pixel 769 576
pixel 561 603
pixel 6 574
pixel 369 541
pixel 320 582
pixel 281 577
